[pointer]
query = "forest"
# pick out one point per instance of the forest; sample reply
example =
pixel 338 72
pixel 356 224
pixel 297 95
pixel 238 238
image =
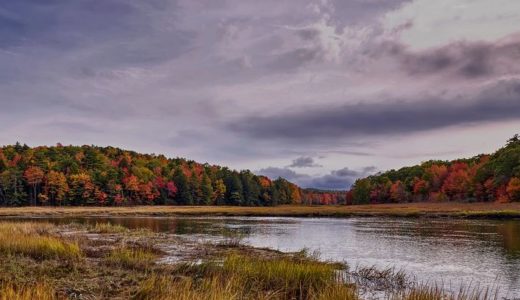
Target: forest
pixel 483 178
pixel 108 176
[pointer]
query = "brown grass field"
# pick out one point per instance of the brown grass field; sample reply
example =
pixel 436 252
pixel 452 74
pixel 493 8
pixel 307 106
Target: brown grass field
pixel 451 209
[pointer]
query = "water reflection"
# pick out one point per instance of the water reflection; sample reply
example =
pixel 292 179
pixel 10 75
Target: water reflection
pixel 451 251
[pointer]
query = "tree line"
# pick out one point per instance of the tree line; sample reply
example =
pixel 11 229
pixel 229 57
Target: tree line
pixel 494 177
pixel 90 175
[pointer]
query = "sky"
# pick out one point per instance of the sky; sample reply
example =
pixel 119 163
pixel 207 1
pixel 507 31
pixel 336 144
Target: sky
pixel 320 92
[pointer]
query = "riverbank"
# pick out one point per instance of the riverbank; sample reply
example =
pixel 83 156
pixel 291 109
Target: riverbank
pixel 103 261
pixel 448 209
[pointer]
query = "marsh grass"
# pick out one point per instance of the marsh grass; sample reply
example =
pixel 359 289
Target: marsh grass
pixel 231 239
pixel 431 292
pixel 442 209
pixel 246 277
pixel 108 228
pixel 132 258
pixel 228 273
pixel 372 278
pixel 161 287
pixel 39 291
pixel 293 277
pixel 33 240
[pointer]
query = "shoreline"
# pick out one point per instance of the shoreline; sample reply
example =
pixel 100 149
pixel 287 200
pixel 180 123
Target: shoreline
pixel 112 261
pixel 409 210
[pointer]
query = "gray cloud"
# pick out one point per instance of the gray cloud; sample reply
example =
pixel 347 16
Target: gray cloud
pixel 304 162
pixel 275 172
pixel 106 34
pixel 358 11
pixel 464 59
pixel 500 101
pixel 336 180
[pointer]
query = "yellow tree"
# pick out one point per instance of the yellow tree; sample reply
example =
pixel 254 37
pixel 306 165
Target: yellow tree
pixel 296 196
pixel 219 191
pixel 56 187
pixel 82 189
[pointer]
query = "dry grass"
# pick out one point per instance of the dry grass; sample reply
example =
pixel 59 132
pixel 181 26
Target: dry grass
pixel 132 258
pixel 40 291
pixel 298 277
pixel 246 277
pixel 163 287
pixel 434 292
pixel 445 209
pixel 32 239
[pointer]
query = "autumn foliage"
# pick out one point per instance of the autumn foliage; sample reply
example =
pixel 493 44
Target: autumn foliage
pixel 89 175
pixel 493 177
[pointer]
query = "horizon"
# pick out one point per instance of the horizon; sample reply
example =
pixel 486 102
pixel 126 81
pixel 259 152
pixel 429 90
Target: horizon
pixel 318 92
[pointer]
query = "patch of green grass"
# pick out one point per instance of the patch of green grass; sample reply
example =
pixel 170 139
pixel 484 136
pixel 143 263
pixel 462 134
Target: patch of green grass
pixel 132 258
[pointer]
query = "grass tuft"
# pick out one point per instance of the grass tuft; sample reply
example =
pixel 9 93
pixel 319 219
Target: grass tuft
pixel 132 258
pixel 433 292
pixel 30 239
pixel 380 280
pixel 40 291
pixel 183 288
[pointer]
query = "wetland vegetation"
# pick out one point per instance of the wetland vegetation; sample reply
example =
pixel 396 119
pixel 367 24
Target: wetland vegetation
pixel 40 260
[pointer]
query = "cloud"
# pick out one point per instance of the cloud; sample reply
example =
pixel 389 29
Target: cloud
pixel 498 102
pixel 304 162
pixel 275 172
pixel 468 60
pixel 444 21
pixel 340 179
pixel 349 12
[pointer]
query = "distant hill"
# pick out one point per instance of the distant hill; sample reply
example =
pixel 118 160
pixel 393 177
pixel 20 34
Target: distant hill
pixel 494 177
pixel 90 175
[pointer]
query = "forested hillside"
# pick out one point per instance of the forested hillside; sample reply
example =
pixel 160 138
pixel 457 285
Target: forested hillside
pixel 89 175
pixel 493 177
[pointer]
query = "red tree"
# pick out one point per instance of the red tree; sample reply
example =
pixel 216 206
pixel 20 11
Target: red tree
pixel 457 185
pixel 513 189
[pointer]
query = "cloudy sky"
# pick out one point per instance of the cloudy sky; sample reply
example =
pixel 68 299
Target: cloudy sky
pixel 318 91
